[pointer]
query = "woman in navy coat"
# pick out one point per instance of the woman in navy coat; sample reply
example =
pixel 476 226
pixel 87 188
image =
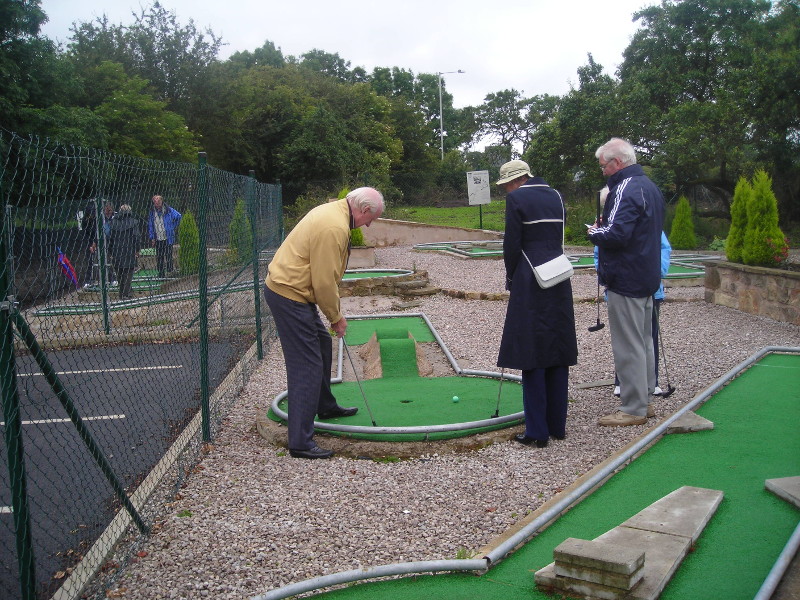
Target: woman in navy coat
pixel 539 332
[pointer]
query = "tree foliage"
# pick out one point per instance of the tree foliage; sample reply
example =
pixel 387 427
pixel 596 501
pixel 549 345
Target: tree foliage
pixel 188 245
pixel 708 91
pixel 764 243
pixel 734 244
pixel 240 234
pixel 681 236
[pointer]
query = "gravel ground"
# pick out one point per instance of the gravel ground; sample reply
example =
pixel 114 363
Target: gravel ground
pixel 260 519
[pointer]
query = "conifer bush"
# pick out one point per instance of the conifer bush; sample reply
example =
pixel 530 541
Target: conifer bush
pixel 764 242
pixel 241 235
pixel 734 244
pixel 682 235
pixel 189 241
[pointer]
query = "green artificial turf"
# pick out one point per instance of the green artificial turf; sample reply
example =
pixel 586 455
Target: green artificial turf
pixel 371 274
pixel 755 438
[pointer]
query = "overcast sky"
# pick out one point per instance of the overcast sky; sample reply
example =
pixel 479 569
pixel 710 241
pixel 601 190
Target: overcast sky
pixel 533 46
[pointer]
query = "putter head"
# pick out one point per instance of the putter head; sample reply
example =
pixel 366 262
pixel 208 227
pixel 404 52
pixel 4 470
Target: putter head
pixel 597 327
pixel 669 392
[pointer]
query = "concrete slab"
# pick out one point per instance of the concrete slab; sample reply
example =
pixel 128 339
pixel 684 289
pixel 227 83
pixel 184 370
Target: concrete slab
pixel 787 488
pixel 684 512
pixel 689 422
pixel 598 555
pixel 665 532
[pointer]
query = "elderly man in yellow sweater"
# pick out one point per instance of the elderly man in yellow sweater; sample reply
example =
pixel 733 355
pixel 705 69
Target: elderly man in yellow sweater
pixel 304 276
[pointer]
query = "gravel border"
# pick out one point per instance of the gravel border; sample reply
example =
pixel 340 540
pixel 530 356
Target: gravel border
pixel 261 520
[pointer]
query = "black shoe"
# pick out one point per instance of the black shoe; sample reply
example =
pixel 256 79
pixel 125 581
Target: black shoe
pixel 559 437
pixel 524 439
pixel 315 452
pixel 339 411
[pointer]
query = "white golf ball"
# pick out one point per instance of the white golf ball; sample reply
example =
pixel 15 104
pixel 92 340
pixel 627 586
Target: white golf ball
pixel 455 398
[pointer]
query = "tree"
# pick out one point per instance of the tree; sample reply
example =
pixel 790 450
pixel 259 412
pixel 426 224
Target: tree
pixel 734 244
pixel 240 234
pixel 326 63
pixel 188 245
pixel 140 125
pixel 501 117
pixel 764 242
pixel 681 236
pixel 682 77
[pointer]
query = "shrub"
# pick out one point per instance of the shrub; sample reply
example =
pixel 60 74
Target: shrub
pixel 764 242
pixel 189 245
pixel 240 245
pixel 356 237
pixel 734 244
pixel 682 236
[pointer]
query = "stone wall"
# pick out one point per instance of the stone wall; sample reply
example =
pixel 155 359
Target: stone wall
pixel 773 293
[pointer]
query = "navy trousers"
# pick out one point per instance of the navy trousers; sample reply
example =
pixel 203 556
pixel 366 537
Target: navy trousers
pixel 307 352
pixel 544 398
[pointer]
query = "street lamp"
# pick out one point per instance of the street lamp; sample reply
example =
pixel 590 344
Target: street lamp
pixel 441 116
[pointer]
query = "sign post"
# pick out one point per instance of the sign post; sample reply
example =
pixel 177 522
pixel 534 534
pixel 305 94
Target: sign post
pixel 478 190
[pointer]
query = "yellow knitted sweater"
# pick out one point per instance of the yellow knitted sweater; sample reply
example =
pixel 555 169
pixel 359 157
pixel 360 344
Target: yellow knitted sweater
pixel 312 259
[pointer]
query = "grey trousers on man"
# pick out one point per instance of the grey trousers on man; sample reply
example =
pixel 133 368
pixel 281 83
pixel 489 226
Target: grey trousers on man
pixel 631 321
pixel 307 352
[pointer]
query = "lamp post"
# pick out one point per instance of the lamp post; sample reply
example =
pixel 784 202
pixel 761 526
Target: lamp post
pixel 441 116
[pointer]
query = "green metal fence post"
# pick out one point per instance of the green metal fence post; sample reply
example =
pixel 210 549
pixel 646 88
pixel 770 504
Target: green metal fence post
pixel 202 207
pixel 101 261
pixel 13 430
pixel 251 199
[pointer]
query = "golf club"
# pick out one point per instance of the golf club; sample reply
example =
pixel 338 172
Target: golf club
pixel 352 364
pixel 599 325
pixel 497 408
pixel 670 390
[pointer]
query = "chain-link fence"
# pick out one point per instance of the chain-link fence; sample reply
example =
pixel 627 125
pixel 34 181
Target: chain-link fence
pixel 129 325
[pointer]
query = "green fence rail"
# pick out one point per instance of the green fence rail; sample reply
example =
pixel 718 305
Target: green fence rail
pixel 113 377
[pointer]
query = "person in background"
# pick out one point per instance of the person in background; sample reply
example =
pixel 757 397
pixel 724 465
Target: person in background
pixel 124 244
pixel 539 331
pixel 658 298
pixel 303 279
pixel 162 229
pixel 629 265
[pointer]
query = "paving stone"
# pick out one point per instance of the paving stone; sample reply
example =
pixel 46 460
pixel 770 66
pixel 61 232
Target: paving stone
pixel 686 511
pixel 787 488
pixel 689 422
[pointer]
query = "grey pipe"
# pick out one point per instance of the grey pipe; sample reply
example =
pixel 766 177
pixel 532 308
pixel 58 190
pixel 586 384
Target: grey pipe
pixel 502 550
pixel 780 567
pixel 428 566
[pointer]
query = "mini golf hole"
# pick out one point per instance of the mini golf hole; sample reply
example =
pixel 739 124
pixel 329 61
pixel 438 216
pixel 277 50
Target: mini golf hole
pixel 406 401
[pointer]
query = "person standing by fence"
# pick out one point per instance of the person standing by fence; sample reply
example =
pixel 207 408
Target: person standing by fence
pixel 124 243
pixel 162 229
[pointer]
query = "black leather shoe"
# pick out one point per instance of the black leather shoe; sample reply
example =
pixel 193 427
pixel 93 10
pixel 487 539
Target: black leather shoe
pixel 315 452
pixel 524 439
pixel 339 411
pixel 559 437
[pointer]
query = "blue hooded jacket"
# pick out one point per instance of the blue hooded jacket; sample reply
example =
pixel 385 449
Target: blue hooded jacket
pixel 629 235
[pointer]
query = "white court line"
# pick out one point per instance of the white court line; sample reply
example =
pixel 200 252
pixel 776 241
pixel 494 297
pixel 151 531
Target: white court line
pixel 52 421
pixel 125 370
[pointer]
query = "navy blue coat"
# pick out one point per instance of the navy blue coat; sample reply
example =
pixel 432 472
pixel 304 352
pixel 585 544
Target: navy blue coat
pixel 629 237
pixel 539 330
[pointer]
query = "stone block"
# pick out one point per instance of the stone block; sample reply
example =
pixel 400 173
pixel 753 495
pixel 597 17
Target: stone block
pixel 598 555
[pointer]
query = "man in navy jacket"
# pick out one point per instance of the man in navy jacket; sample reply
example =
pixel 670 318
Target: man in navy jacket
pixel 628 237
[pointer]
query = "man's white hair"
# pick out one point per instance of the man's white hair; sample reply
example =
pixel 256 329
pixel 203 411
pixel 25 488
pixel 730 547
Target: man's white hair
pixel 619 149
pixel 366 198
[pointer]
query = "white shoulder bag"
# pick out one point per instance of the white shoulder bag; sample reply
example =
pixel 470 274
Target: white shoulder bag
pixel 556 270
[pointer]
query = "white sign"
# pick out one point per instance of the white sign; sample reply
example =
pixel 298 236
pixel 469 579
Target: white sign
pixel 478 187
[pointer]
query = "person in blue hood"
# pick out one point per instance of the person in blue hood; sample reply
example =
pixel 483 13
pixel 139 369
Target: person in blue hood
pixel 628 238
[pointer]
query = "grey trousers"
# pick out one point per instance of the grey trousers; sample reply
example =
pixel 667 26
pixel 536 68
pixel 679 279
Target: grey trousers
pixel 631 321
pixel 307 352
